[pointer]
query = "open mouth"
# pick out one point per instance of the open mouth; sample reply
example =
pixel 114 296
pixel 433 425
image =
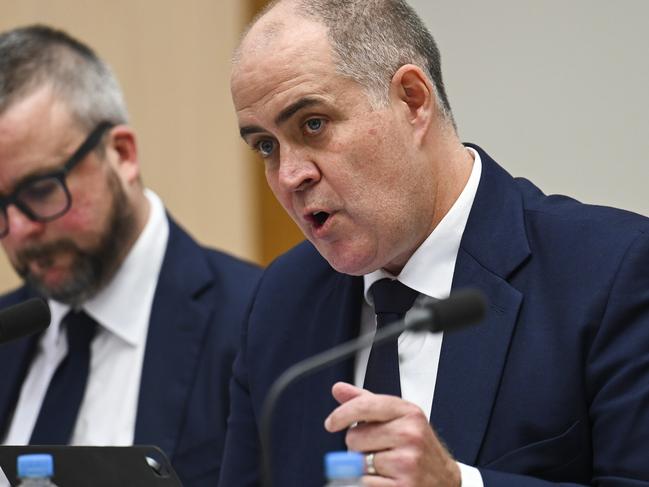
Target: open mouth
pixel 319 218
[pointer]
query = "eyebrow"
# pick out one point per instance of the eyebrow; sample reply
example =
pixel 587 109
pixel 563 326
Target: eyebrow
pixel 30 176
pixel 25 178
pixel 293 108
pixel 249 130
pixel 282 117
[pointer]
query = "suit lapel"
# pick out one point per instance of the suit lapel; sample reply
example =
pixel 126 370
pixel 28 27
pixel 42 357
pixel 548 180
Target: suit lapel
pixel 176 329
pixel 493 246
pixel 471 363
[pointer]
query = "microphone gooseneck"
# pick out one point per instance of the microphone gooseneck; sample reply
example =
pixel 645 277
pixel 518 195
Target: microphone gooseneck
pixel 462 308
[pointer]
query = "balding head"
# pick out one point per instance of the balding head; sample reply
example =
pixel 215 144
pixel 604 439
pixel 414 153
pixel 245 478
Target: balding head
pixel 370 41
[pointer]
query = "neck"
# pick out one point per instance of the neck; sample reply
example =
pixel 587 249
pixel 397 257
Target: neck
pixel 450 172
pixel 451 164
pixel 141 209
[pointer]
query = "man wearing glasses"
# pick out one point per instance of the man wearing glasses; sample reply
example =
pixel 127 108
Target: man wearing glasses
pixel 144 321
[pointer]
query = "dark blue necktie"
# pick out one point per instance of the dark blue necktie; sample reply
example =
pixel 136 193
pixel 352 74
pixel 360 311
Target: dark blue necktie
pixel 59 410
pixel 391 301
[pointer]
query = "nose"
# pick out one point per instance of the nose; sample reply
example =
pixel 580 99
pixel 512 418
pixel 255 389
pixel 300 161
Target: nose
pixel 21 227
pixel 297 170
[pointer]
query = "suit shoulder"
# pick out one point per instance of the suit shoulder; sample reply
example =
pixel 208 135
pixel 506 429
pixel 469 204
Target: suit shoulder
pixel 301 264
pixel 182 245
pixel 572 215
pixel 297 276
pixel 554 210
pixel 15 296
pixel 578 233
pixel 235 280
pixel 224 262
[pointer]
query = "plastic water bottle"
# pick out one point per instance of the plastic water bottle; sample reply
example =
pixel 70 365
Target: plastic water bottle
pixel 35 470
pixel 344 469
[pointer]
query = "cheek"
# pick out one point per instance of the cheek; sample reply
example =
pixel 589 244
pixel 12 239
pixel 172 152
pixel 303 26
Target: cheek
pixel 84 210
pixel 73 222
pixel 86 215
pixel 283 197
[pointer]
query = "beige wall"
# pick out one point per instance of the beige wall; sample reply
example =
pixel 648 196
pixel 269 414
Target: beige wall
pixel 172 59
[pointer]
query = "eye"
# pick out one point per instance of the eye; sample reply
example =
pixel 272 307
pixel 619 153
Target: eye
pixel 265 147
pixel 40 190
pixel 314 126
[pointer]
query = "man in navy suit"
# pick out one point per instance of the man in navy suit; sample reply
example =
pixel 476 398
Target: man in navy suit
pixel 344 101
pixel 158 315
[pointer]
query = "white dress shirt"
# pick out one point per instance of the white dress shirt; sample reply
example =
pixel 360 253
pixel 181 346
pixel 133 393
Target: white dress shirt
pixel 429 271
pixel 122 309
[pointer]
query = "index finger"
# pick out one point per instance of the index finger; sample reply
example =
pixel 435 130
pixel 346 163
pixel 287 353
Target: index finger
pixel 367 407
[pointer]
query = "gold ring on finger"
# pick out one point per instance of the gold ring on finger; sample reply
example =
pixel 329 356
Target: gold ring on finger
pixel 369 464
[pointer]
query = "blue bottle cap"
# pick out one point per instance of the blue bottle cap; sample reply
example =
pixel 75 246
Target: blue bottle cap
pixel 35 465
pixel 344 465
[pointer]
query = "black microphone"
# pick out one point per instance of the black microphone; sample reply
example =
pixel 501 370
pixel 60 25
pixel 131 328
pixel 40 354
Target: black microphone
pixel 22 319
pixel 462 308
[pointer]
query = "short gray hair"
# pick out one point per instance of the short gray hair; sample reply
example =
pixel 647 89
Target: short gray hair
pixel 37 55
pixel 372 39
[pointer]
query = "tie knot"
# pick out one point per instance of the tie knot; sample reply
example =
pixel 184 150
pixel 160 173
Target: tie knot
pixel 80 329
pixel 391 296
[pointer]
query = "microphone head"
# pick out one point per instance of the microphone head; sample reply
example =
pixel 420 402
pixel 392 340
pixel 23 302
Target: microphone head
pixel 22 319
pixel 463 307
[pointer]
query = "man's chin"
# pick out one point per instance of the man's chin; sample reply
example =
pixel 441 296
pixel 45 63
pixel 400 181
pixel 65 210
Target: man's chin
pixel 45 271
pixel 48 285
pixel 49 268
pixel 351 263
pixel 59 285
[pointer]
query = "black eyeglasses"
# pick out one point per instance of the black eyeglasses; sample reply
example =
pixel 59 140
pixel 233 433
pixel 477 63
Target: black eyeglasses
pixel 46 197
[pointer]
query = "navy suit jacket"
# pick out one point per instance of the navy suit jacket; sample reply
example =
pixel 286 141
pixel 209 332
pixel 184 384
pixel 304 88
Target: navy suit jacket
pixel 199 305
pixel 553 385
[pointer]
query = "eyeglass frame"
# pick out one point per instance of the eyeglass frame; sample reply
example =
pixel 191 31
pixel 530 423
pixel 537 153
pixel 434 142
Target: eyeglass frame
pixel 88 145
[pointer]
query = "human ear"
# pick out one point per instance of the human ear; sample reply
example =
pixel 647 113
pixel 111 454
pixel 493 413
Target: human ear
pixel 122 152
pixel 411 89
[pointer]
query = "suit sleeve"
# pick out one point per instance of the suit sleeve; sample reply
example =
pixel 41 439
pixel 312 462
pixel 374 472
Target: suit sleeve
pixel 616 371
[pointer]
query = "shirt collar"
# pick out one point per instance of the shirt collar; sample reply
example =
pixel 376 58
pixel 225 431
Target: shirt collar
pixel 430 268
pixel 119 306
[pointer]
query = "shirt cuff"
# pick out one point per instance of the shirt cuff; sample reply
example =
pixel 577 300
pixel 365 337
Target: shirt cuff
pixel 470 476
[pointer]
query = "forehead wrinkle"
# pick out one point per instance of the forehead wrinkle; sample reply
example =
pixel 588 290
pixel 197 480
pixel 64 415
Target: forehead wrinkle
pixel 269 79
pixel 277 97
pixel 285 115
